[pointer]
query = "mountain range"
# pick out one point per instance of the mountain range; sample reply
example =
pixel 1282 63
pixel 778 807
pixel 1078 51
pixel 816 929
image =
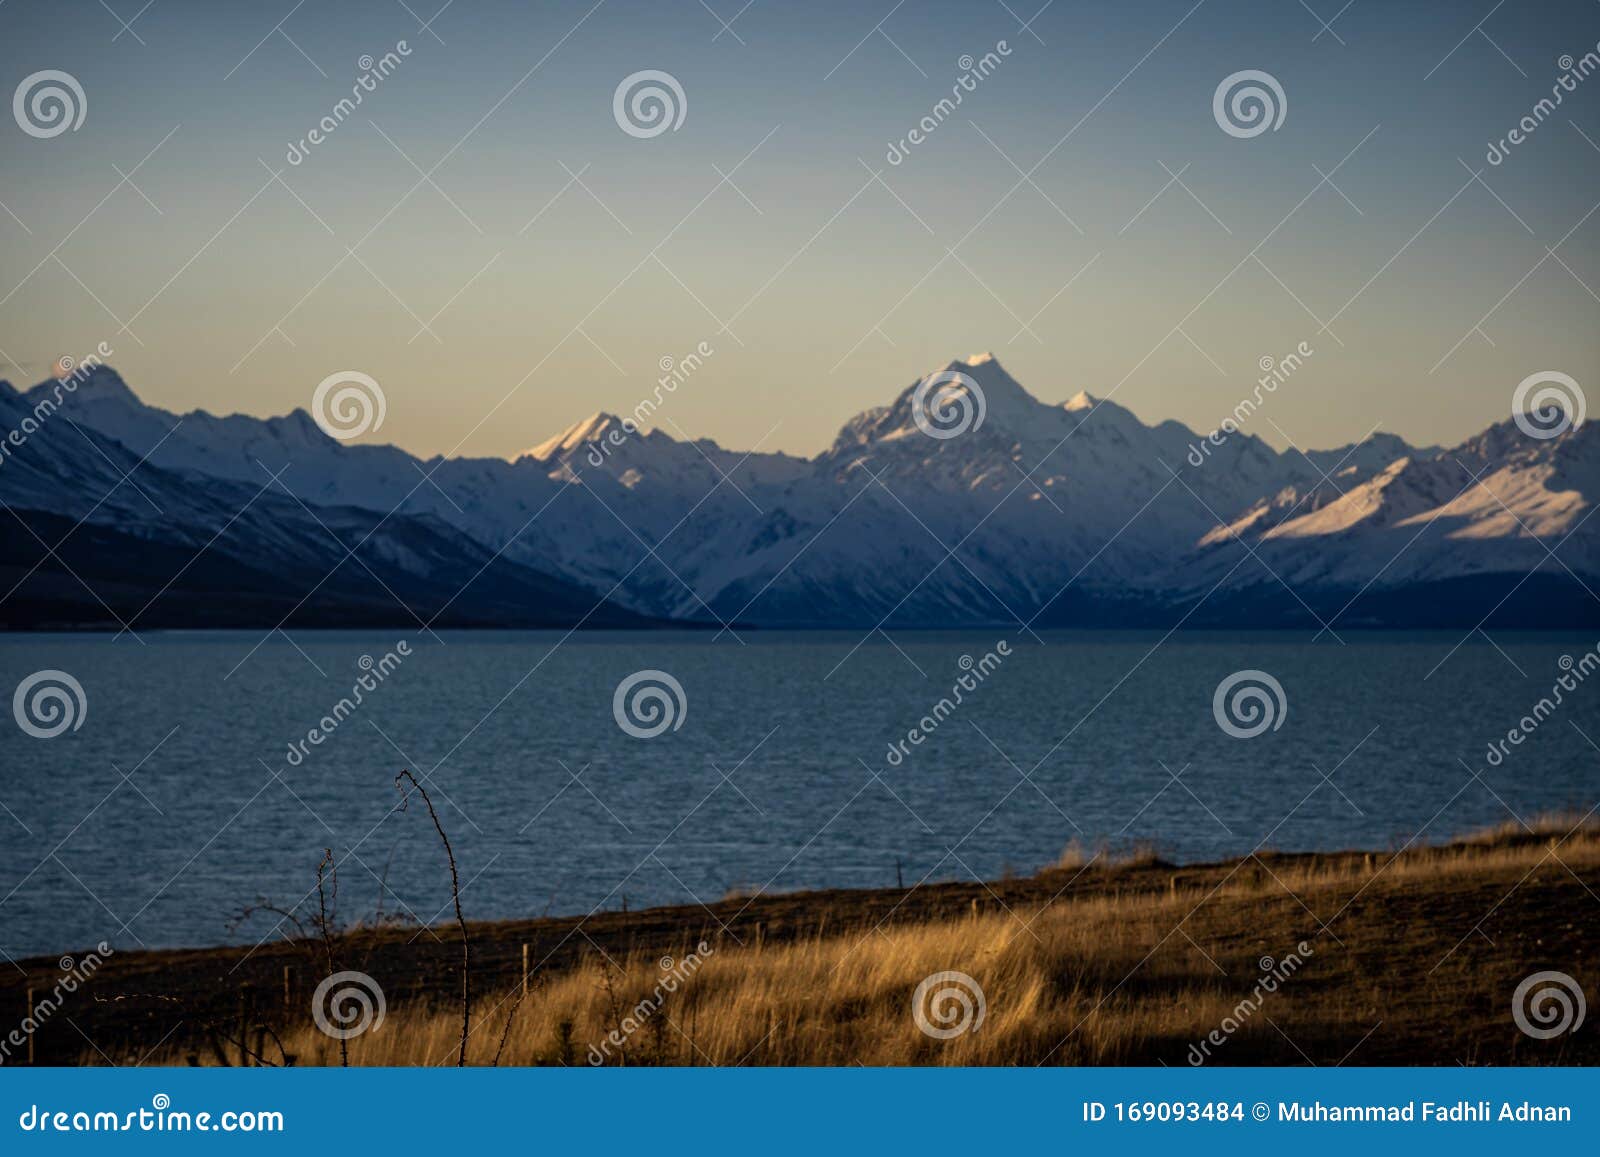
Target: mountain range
pixel 1039 515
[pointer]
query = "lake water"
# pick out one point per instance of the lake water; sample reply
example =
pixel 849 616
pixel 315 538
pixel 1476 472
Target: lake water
pixel 160 816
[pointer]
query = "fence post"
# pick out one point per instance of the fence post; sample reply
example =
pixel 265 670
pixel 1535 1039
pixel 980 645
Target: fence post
pixel 524 971
pixel 244 1026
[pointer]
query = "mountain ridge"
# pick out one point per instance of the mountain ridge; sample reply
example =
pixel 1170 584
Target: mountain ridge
pixel 963 501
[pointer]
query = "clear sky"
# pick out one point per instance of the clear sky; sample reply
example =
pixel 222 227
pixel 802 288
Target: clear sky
pixel 821 290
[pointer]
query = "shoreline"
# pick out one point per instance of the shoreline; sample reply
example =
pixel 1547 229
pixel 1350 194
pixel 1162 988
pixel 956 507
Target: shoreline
pixel 1137 860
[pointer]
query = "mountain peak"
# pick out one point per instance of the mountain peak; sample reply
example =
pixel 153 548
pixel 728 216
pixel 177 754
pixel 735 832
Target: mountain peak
pixel 97 383
pixel 591 429
pixel 1098 498
pixel 984 367
pixel 1001 391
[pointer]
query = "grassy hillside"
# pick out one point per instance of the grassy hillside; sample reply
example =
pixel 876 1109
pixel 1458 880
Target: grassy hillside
pixel 1408 958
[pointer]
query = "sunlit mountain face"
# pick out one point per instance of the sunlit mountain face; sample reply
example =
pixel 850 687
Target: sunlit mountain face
pixel 963 500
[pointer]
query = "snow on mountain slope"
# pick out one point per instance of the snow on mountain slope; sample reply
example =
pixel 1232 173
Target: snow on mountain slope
pixel 1499 504
pixel 1017 508
pixel 92 534
pixel 596 532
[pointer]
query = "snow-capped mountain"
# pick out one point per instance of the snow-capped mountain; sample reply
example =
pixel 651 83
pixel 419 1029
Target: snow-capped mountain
pixel 965 502
pixel 94 536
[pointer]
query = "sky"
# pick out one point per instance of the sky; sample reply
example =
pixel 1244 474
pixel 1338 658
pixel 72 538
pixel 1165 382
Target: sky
pixel 485 240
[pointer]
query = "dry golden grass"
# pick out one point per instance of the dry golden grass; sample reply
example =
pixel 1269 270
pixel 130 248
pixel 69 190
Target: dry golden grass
pixel 1117 978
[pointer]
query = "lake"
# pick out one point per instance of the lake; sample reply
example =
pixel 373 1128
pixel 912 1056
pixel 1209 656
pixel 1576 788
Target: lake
pixel 192 787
